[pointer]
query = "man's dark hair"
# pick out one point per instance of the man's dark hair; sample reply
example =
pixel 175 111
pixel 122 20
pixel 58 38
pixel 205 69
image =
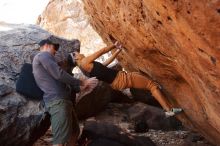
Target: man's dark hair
pixel 71 60
pixel 49 42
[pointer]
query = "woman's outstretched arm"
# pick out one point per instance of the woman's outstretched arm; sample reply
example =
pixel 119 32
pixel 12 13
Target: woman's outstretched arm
pixel 97 54
pixel 110 59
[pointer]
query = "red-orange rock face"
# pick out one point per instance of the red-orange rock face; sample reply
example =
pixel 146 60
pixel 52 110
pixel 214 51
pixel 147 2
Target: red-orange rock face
pixel 177 43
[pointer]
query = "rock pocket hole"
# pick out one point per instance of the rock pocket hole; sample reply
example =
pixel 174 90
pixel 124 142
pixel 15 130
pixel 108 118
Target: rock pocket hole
pixel 201 50
pixel 169 18
pixel 158 13
pixel 113 40
pixel 159 22
pixel 218 10
pixel 108 9
pixel 125 48
pixel 213 60
pixel 188 12
pixel 164 7
pixel 143 14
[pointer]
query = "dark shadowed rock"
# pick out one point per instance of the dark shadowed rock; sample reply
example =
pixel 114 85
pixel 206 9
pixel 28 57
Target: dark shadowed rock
pixel 121 97
pixel 104 141
pixel 145 116
pixel 141 126
pixel 94 102
pixel 106 134
pixel 144 96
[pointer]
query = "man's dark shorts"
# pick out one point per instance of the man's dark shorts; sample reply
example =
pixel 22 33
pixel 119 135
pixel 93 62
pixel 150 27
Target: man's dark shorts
pixel 64 121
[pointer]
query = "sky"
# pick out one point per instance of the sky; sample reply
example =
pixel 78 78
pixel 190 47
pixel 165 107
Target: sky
pixel 21 11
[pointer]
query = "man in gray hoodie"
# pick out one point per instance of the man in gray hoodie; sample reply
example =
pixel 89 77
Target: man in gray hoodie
pixel 53 81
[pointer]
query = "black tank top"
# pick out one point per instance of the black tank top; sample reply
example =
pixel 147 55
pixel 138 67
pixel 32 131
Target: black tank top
pixel 103 73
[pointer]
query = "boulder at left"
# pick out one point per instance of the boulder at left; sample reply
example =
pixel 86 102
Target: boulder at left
pixel 22 120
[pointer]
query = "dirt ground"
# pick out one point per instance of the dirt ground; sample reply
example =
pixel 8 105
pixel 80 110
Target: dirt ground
pixel 115 115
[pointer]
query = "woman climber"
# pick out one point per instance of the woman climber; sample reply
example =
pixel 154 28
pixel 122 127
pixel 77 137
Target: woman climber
pixel 120 79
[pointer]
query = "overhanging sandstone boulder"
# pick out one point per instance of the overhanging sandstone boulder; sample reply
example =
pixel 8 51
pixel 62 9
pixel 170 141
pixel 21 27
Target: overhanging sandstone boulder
pixel 176 43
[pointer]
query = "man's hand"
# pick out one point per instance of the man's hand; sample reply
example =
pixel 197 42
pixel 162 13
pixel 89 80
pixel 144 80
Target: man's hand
pixel 88 85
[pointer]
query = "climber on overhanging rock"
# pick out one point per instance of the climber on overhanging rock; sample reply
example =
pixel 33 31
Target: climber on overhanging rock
pixel 120 79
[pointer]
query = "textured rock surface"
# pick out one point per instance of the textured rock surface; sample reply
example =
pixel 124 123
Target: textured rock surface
pixel 106 134
pixel 68 19
pixel 94 102
pixel 175 42
pixel 22 120
pixel 152 117
pixel 116 114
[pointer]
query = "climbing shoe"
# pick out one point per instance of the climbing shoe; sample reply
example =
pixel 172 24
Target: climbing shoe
pixel 173 112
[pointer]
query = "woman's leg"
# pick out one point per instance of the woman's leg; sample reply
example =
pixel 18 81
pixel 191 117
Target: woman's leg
pixel 135 80
pixel 141 82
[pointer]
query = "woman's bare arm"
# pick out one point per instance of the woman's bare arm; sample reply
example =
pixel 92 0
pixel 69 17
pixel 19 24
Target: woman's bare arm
pixel 110 59
pixel 97 54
